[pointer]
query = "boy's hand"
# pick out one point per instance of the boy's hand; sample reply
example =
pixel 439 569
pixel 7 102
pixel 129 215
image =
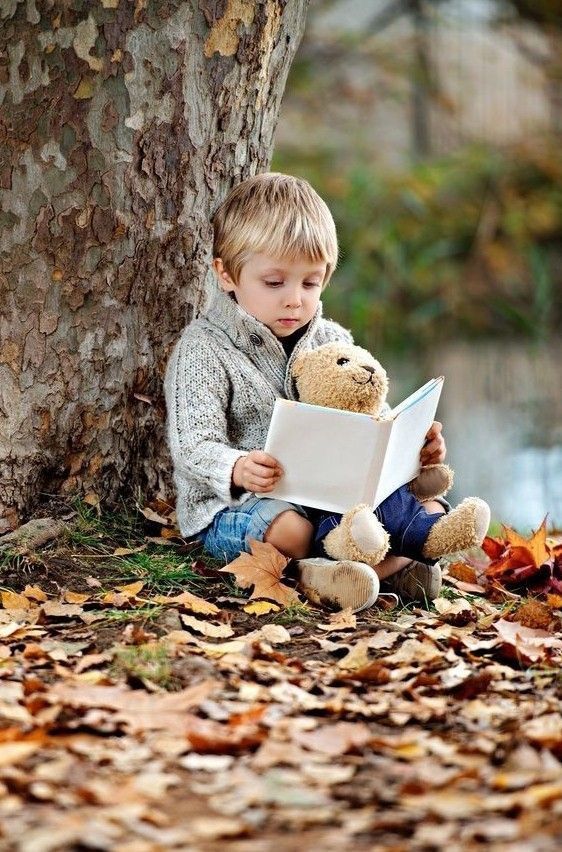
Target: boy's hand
pixel 257 472
pixel 434 449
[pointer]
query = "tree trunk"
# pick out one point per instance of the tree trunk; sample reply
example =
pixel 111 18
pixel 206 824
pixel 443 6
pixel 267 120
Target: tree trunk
pixel 121 127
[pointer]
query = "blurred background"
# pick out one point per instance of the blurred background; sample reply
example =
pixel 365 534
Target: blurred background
pixel 434 132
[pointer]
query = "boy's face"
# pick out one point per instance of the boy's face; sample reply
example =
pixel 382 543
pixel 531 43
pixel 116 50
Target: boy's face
pixel 283 294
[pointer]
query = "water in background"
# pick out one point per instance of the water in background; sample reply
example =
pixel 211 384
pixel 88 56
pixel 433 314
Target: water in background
pixel 502 412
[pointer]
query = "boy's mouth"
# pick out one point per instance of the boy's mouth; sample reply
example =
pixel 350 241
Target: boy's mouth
pixel 288 321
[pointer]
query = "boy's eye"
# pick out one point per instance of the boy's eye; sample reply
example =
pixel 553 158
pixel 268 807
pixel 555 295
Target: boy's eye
pixel 311 284
pixel 343 361
pixel 273 283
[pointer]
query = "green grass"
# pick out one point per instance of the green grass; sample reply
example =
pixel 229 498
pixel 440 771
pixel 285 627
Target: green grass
pixel 297 613
pixel 100 532
pixel 163 571
pixel 146 613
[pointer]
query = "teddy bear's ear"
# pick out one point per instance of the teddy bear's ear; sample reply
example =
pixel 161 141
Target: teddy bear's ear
pixel 298 364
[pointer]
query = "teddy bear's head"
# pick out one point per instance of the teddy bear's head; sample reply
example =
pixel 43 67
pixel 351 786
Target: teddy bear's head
pixel 340 375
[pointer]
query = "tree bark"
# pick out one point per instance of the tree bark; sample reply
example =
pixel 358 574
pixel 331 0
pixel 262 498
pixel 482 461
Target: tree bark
pixel 122 125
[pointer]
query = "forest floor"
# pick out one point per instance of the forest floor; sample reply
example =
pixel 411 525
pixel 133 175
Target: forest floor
pixel 147 704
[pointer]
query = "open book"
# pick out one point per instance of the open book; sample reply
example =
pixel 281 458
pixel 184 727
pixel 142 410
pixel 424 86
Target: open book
pixel 334 459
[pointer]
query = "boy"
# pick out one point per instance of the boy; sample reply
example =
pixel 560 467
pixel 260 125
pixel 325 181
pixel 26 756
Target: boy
pixel 275 249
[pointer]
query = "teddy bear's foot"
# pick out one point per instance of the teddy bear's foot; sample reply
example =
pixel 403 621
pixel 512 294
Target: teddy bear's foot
pixel 465 526
pixel 359 536
pixel 433 480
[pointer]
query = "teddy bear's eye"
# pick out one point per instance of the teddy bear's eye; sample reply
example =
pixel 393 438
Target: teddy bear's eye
pixel 343 361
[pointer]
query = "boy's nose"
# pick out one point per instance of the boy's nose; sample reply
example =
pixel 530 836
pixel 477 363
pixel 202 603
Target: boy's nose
pixel 294 299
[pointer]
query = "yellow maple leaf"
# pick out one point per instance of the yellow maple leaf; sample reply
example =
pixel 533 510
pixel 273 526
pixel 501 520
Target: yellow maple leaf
pixel 262 569
pixel 536 545
pixel 261 608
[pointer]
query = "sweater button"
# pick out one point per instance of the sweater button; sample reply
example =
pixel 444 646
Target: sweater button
pixel 256 339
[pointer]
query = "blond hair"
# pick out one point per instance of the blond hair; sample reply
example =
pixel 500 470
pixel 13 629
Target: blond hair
pixel 278 214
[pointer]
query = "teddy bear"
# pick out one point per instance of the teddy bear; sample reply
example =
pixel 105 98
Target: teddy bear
pixel 346 376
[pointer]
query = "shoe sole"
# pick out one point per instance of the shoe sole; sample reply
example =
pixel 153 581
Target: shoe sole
pixel 340 583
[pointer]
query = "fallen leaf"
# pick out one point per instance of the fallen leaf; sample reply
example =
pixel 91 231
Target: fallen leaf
pixel 262 569
pixel 57 609
pixel 215 631
pixel 35 593
pixel 76 597
pixel 138 710
pixel 132 589
pixel 344 620
pixel 11 753
pixel 276 634
pixel 12 600
pixel 335 739
pixel 261 608
pixel 462 571
pixel 458 611
pixel 536 544
pixel 528 643
pixel 151 515
pixel 126 551
pixel 189 601
pixel 545 730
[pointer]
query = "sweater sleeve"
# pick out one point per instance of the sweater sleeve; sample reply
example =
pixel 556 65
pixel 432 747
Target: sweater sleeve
pixel 197 394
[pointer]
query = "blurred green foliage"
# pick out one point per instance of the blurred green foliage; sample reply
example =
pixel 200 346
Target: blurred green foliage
pixel 459 247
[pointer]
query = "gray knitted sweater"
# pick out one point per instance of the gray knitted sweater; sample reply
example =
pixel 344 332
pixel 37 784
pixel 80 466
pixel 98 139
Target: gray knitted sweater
pixel 222 380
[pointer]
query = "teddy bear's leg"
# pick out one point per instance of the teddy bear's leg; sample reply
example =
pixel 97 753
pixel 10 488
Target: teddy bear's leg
pixel 463 527
pixel 359 536
pixel 433 480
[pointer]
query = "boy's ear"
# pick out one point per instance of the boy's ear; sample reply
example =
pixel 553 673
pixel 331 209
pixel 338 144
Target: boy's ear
pixel 225 281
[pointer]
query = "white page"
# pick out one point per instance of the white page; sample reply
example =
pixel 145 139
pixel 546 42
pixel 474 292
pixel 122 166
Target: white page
pixel 330 457
pixel 411 421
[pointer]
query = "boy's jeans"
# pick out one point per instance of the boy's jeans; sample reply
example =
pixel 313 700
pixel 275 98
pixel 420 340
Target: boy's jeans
pixel 402 515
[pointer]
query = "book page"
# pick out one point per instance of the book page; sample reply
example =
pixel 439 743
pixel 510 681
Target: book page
pixel 329 456
pixel 411 421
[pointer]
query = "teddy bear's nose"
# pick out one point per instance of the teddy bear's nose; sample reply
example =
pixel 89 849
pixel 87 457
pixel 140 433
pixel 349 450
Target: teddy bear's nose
pixel 369 369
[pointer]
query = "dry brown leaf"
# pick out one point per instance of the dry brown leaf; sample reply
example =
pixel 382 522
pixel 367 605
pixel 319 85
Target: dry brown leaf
pixel 462 571
pixel 189 601
pixel 151 515
pixel 458 611
pixel 12 600
pixel 335 739
pixel 533 613
pixel 545 730
pixel 373 672
pixel 214 631
pixel 528 643
pixel 76 597
pixel 262 569
pixel 57 609
pixel 126 551
pixel 35 593
pixel 11 753
pixel 344 620
pixel 138 710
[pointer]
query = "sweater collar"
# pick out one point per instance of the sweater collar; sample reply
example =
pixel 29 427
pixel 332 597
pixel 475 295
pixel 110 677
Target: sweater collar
pixel 248 333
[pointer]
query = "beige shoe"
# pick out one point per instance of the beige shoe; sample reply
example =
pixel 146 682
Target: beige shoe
pixel 463 527
pixel 416 582
pixel 341 583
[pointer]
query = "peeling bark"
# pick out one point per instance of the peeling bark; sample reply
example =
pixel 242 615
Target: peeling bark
pixel 121 126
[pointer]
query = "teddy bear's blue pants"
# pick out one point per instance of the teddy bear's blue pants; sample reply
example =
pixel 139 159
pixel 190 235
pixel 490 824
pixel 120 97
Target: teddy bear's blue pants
pixel 403 517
